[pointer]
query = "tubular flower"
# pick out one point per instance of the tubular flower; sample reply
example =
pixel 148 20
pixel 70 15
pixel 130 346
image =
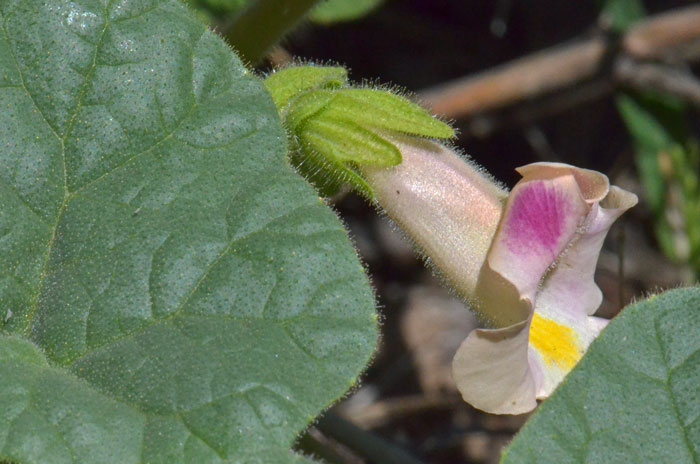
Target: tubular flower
pixel 523 261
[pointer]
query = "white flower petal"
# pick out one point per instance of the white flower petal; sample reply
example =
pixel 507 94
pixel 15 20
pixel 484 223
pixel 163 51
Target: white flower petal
pixel 492 371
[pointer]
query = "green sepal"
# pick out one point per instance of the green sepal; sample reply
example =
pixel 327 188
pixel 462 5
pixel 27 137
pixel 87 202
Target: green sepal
pixel 327 175
pixel 335 147
pixel 385 110
pixel 321 145
pixel 289 82
pixel 304 106
pixel 348 142
pixel 334 128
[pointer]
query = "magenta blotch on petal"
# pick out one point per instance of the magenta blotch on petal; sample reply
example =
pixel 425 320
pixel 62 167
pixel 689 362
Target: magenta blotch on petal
pixel 541 218
pixel 526 230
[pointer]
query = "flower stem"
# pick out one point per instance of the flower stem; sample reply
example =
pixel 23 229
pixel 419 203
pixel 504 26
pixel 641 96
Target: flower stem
pixel 262 24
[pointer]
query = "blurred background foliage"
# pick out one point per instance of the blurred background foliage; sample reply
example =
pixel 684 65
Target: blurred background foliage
pixel 543 80
pixel 666 154
pixel 326 12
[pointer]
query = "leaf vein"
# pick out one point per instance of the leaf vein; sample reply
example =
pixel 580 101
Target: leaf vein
pixel 200 438
pixel 23 84
pixel 137 155
pixel 669 391
pixel 25 202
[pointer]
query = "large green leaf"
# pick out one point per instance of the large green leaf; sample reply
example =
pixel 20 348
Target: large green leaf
pixel 635 396
pixel 170 290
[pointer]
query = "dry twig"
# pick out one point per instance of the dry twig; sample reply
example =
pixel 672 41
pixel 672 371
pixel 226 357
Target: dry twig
pixel 660 77
pixel 583 70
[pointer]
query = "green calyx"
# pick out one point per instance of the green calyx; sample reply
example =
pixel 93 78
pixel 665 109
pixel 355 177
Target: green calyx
pixel 287 83
pixel 334 127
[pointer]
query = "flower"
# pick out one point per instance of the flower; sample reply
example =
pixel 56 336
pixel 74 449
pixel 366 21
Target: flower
pixel 523 261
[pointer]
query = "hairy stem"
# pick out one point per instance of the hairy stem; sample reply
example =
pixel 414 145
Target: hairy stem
pixel 263 23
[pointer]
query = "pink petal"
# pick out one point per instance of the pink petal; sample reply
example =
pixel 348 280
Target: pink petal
pixel 593 185
pixel 541 217
pixel 491 367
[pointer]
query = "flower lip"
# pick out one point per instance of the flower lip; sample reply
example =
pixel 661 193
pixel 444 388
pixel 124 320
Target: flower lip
pixel 619 199
pixel 545 251
pixel 593 185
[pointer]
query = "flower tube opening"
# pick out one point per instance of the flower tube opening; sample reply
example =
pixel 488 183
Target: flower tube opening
pixel 524 262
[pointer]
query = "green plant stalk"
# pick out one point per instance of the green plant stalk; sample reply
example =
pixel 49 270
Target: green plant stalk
pixel 262 24
pixel 365 443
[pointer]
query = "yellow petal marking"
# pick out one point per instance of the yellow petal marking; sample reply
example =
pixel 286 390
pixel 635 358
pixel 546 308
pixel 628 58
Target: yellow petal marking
pixel 557 343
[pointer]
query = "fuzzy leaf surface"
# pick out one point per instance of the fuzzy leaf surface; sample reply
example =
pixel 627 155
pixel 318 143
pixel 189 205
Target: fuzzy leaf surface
pixel 635 396
pixel 171 291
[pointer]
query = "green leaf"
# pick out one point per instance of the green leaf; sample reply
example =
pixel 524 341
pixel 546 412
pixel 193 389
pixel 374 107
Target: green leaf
pixel 287 83
pixel 171 291
pixel 656 126
pixel 685 163
pixel 332 11
pixel 633 398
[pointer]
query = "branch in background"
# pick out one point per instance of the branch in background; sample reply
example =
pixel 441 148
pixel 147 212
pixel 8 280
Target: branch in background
pixel 314 443
pixel 518 80
pixel 660 77
pixel 262 24
pixel 527 112
pixel 382 412
pixel 674 35
pixel 582 70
